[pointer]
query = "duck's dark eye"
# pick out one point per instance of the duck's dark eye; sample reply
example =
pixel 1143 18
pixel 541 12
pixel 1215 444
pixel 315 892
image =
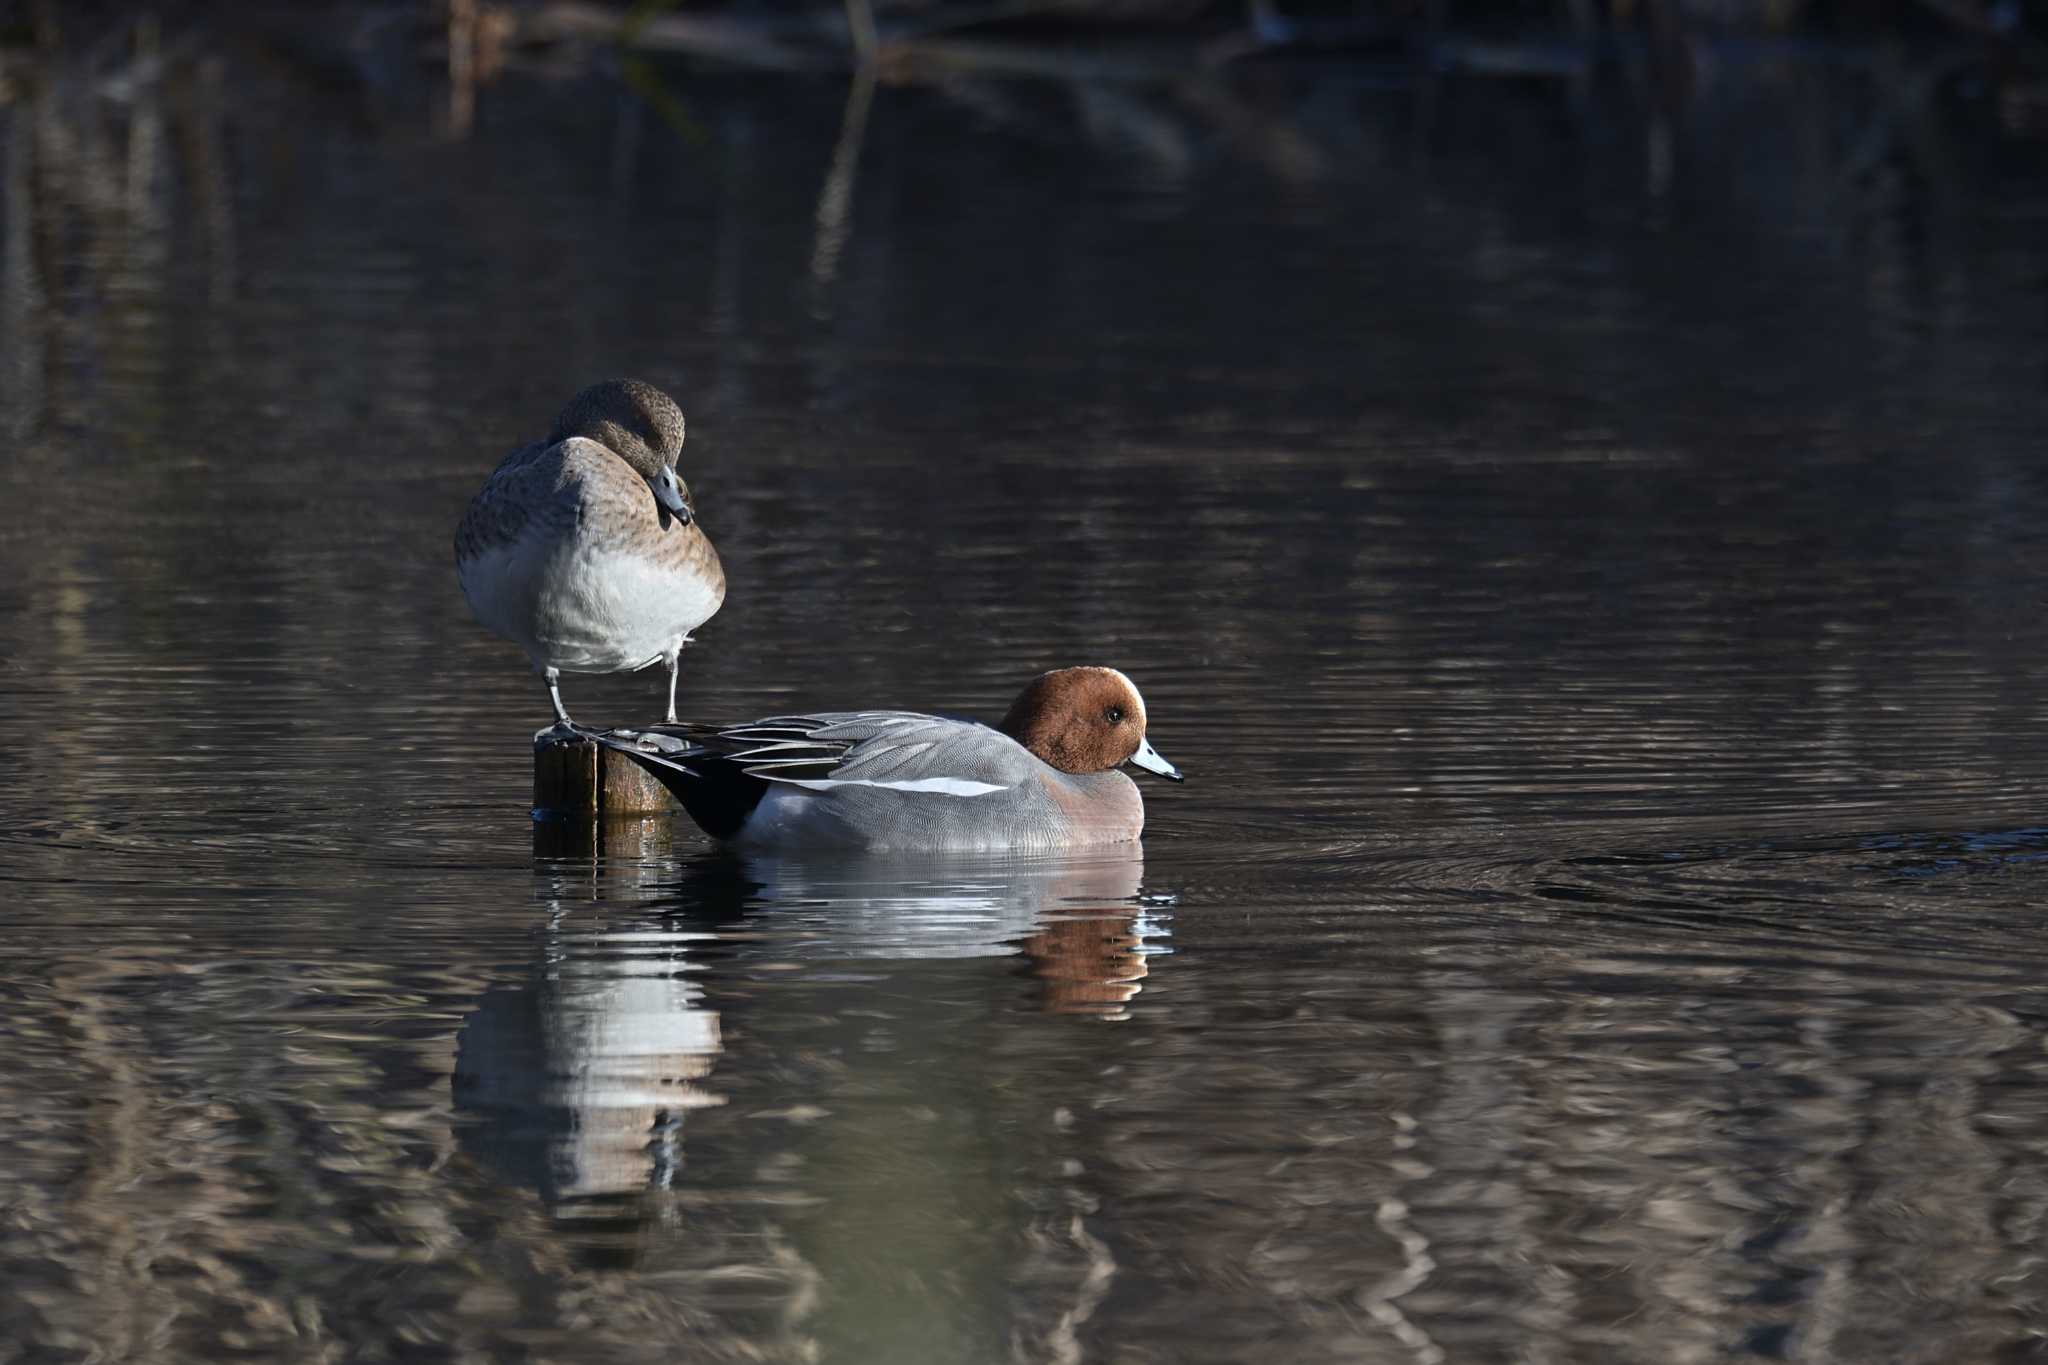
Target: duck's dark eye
pixel 1114 715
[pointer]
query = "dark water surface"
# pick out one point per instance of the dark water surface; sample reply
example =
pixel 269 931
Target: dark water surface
pixel 1599 607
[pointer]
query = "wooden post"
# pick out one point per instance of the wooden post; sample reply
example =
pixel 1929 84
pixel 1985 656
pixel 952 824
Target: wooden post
pixel 575 776
pixel 589 801
pixel 586 837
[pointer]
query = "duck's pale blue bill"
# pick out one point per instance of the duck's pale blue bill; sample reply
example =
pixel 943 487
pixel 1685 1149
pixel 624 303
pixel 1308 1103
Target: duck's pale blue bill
pixel 668 491
pixel 1148 758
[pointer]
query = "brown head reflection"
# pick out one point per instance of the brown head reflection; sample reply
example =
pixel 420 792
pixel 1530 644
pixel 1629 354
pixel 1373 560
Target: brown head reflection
pixel 1087 949
pixel 1090 964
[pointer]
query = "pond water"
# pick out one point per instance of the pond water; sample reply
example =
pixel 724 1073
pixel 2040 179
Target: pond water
pixel 1597 598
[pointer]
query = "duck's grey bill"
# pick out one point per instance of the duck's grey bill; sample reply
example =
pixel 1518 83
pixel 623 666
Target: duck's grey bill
pixel 670 496
pixel 1148 758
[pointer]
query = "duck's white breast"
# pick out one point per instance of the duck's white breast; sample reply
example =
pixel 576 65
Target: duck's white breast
pixel 586 608
pixel 602 609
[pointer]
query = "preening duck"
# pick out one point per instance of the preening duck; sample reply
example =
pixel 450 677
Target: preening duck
pixel 584 549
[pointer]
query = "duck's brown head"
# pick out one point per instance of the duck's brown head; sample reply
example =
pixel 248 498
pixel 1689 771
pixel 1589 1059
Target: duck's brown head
pixel 642 426
pixel 1084 720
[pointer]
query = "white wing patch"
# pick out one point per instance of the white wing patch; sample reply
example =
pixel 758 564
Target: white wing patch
pixel 942 786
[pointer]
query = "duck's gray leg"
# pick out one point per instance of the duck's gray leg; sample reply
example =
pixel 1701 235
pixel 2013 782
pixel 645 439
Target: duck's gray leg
pixel 674 658
pixel 554 677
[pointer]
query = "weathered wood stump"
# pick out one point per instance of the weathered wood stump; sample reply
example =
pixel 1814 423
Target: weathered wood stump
pixel 581 837
pixel 590 801
pixel 575 776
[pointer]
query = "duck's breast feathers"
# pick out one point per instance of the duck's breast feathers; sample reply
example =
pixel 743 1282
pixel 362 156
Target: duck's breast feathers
pixel 580 489
pixel 902 751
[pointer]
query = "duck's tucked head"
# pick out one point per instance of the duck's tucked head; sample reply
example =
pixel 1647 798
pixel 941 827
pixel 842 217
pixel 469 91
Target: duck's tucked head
pixel 643 426
pixel 1084 720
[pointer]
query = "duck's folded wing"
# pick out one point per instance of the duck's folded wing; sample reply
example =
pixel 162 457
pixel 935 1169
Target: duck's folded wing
pixel 891 750
pixel 526 491
pixel 872 770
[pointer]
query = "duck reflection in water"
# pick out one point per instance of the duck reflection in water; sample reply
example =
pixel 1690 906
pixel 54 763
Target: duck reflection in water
pixel 1075 919
pixel 583 1079
pixel 579 1083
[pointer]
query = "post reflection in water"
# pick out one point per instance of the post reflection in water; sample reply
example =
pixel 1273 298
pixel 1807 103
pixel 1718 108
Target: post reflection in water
pixel 579 1083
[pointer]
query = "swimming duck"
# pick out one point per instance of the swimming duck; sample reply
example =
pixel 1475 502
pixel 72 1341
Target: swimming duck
pixel 584 549
pixel 1046 778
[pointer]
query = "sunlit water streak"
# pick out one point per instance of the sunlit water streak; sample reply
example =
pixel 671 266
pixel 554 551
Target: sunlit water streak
pixel 1603 637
